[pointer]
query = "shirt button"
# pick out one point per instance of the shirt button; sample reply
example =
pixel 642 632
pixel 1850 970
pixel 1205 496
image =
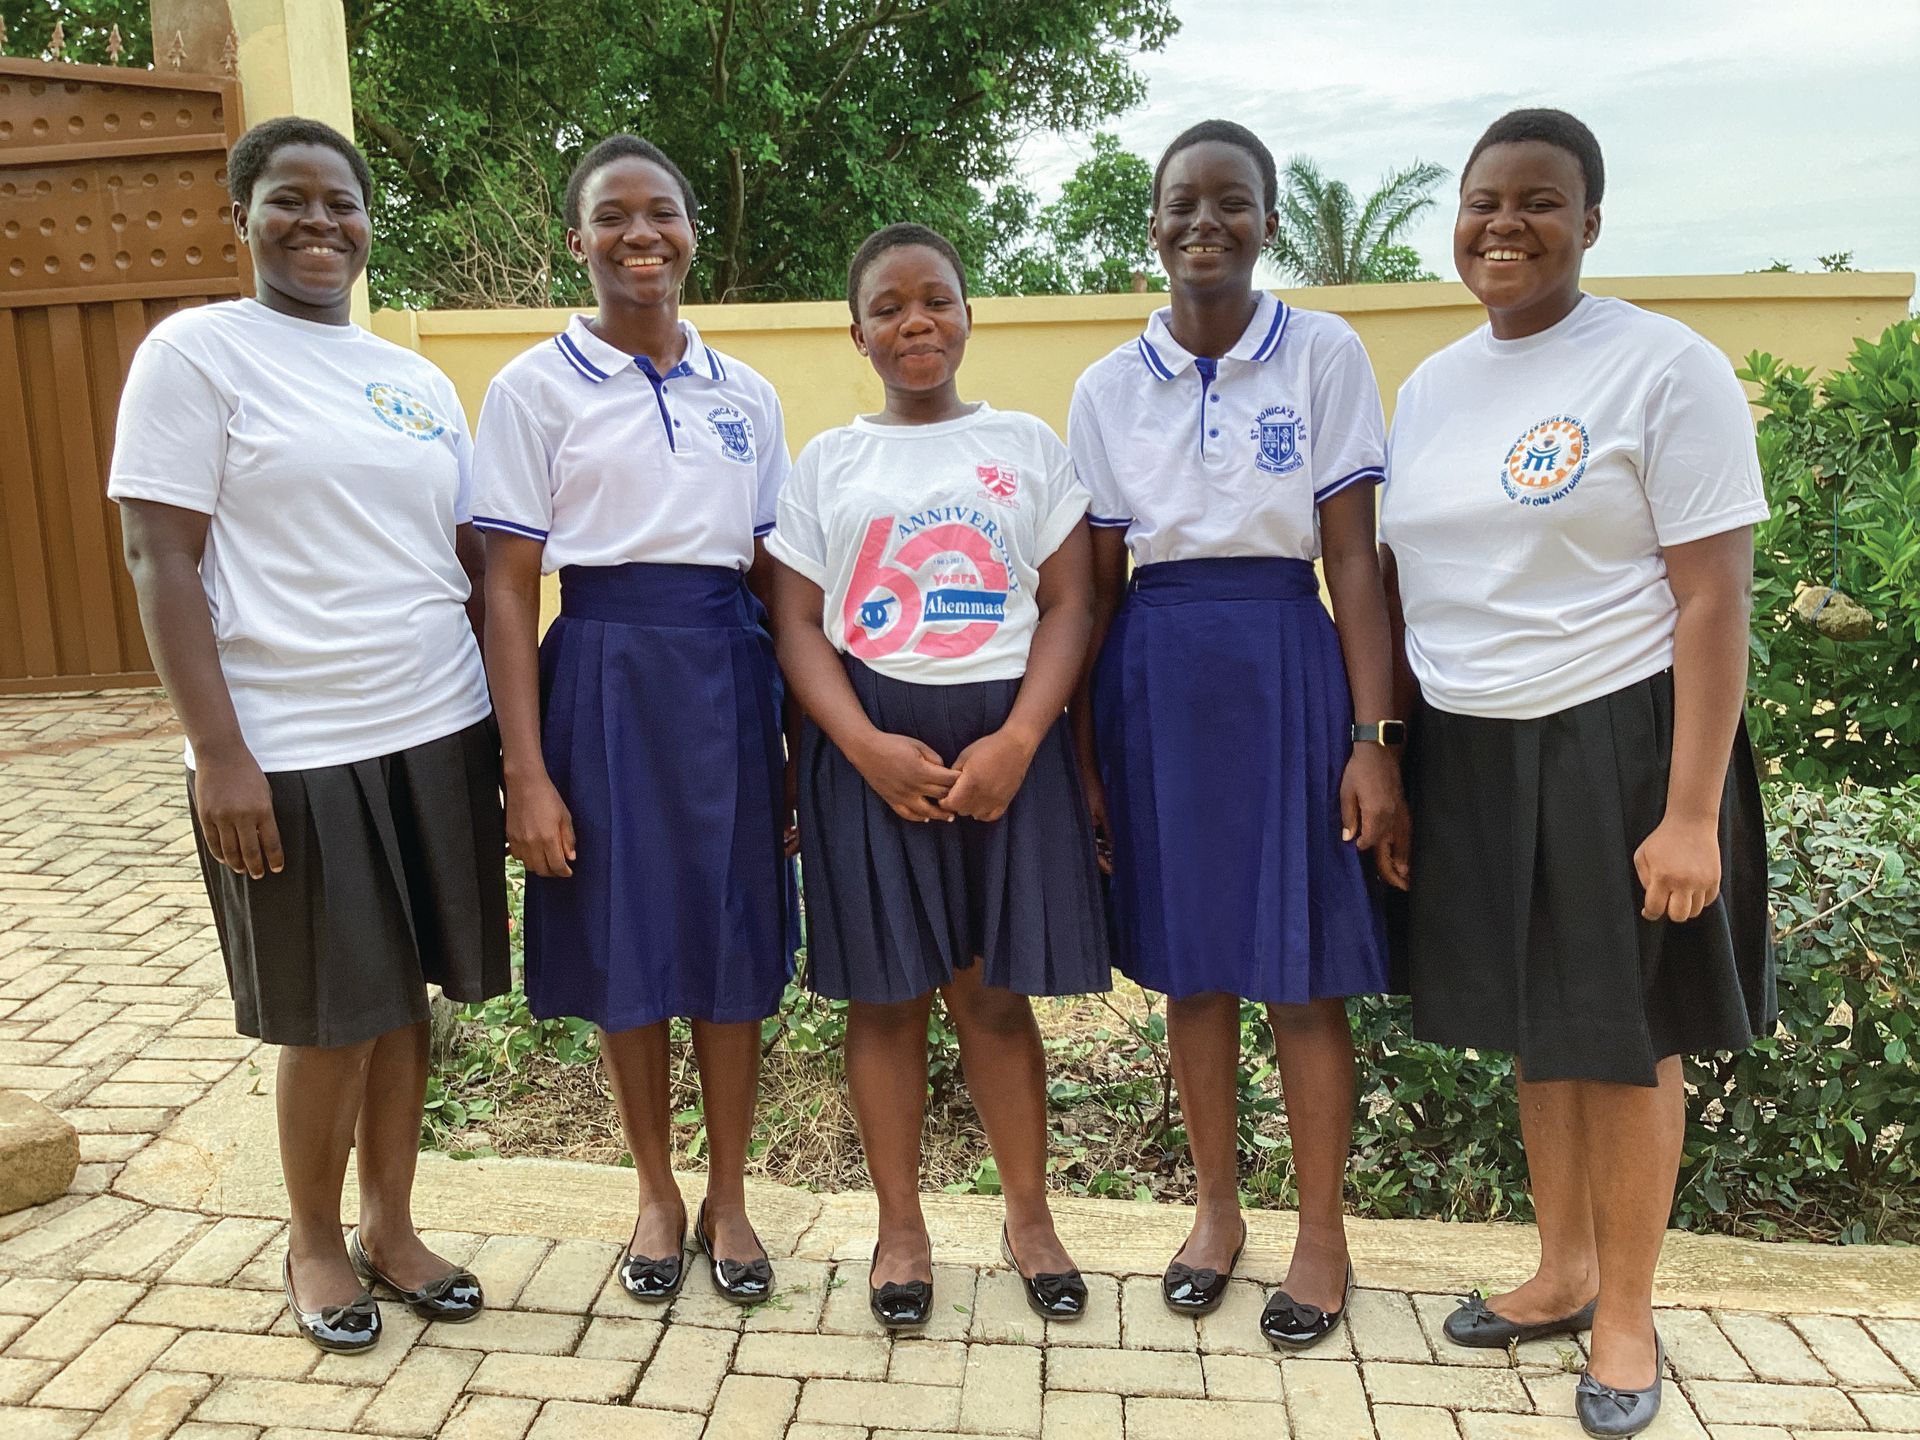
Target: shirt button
pixel 1213 434
pixel 1214 398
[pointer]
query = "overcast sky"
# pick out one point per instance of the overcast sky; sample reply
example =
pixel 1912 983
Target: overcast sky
pixel 1735 131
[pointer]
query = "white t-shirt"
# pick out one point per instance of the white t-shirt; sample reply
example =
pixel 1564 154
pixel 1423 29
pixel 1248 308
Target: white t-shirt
pixel 1531 487
pixel 928 539
pixel 1200 458
pixel 592 451
pixel 335 466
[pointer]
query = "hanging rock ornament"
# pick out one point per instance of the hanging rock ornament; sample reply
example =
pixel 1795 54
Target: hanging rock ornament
pixel 1831 612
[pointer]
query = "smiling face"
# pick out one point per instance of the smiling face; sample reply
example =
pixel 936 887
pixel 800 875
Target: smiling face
pixel 635 235
pixel 1211 221
pixel 1523 228
pixel 306 228
pixel 914 320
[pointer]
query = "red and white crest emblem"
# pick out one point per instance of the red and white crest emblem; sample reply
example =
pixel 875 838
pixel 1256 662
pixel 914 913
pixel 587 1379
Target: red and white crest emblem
pixel 999 481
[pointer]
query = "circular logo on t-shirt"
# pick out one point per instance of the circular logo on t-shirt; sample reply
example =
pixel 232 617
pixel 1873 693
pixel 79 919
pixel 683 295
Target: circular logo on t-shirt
pixel 405 411
pixel 1547 462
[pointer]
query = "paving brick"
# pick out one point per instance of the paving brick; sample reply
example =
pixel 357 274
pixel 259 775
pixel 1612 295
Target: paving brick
pixel 12 1326
pixel 247 1401
pixel 1889 1412
pixel 1799 1407
pixel 94 1378
pixel 25 1295
pixel 111 1147
pixel 1771 1347
pixel 97 1215
pixel 1748 1432
pixel 21 1423
pixel 1326 1400
pixel 512 1330
pixel 570 1276
pixel 1099 1327
pixel 811 1357
pixel 153 1405
pixel 824 1432
pixel 1243 1377
pixel 218 1255
pixel 173 1072
pixel 928 1362
pixel 89 1119
pixel 141 1247
pixel 1147 1324
pixel 537 1377
pixel 1458 1387
pixel 1127 1372
pixel 846 1311
pixel 1696 1348
pixel 266 1357
pixel 799 1297
pixel 138 1097
pixel 204 1307
pixel 1069 1416
pixel 1414 1422
pixel 1000 1313
pixel 75 1321
pixel 1001 1392
pixel 504 1264
pixel 609 1337
pixel 1852 1355
pixel 571 1420
pixel 1153 1419
pixel 753 1407
pixel 687 1368
pixel 20 1379
pixel 201 1430
pixel 421 1393
pixel 1433 1311
pixel 490 1417
pixel 862 1402
pixel 399 1329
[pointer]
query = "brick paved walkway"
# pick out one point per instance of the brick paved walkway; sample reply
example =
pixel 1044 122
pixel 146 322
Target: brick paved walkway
pixel 146 1303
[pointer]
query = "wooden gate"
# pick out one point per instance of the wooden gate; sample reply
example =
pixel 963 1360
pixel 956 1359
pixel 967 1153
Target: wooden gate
pixel 113 214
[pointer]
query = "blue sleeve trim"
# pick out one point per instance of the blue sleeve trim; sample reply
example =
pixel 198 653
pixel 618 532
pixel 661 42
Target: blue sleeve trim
pixel 1109 522
pixel 1275 332
pixel 579 361
pixel 508 527
pixel 1366 472
pixel 760 532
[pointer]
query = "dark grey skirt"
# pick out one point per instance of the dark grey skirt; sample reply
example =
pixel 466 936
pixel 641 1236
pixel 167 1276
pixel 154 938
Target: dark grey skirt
pixel 1523 930
pixel 895 906
pixel 395 878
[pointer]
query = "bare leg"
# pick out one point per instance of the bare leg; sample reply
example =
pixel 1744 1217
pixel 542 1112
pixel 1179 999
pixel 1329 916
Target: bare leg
pixel 887 1078
pixel 1634 1134
pixel 1007 1074
pixel 636 1062
pixel 1203 1033
pixel 386 1153
pixel 1569 1272
pixel 729 1059
pixel 317 1098
pixel 1315 1046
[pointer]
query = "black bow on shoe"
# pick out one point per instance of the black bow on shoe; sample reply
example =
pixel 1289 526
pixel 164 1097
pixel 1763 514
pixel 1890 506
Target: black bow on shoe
pixel 1626 1400
pixel 1474 1313
pixel 738 1273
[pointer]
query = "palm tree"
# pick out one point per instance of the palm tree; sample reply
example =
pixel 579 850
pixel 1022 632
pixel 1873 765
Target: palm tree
pixel 1325 238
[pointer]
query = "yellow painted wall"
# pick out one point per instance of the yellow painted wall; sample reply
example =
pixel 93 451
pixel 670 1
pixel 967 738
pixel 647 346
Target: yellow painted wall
pixel 1027 352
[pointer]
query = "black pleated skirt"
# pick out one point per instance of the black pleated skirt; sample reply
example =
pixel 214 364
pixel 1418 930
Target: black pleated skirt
pixel 895 907
pixel 395 879
pixel 1523 929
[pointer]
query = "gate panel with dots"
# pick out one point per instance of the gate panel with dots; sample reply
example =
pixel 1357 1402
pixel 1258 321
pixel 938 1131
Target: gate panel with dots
pixel 113 214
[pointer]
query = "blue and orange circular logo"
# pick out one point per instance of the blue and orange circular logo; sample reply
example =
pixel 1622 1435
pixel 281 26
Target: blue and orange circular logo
pixel 405 411
pixel 1547 462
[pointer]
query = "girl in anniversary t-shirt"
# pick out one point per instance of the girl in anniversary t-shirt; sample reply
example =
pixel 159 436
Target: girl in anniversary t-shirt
pixel 931 618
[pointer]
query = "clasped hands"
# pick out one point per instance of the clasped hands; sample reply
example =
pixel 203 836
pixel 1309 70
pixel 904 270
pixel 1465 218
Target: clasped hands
pixel 917 785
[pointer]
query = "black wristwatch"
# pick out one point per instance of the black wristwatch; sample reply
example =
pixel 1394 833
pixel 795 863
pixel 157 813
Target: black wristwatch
pixel 1382 732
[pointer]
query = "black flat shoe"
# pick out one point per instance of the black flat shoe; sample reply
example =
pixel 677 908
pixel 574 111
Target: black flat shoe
pixel 1479 1328
pixel 1291 1324
pixel 1188 1291
pixel 1051 1296
pixel 898 1305
pixel 744 1282
pixel 1606 1412
pixel 453 1299
pixel 654 1282
pixel 337 1329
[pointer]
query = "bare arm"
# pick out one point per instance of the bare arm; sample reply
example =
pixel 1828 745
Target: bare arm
pixel 472 552
pixel 993 767
pixel 1712 582
pixel 908 775
pixel 1370 789
pixel 163 545
pixel 539 827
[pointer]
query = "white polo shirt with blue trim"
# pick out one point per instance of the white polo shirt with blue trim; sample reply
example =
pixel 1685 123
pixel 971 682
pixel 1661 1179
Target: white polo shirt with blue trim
pixel 1198 458
pixel 608 461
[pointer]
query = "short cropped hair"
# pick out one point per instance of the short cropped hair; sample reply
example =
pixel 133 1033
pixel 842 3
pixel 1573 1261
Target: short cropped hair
pixel 624 147
pixel 895 237
pixel 1550 127
pixel 254 150
pixel 1227 133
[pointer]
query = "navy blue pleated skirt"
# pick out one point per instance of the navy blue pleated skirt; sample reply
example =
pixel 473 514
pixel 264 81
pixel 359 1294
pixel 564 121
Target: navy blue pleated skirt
pixel 1223 722
pixel 660 714
pixel 895 906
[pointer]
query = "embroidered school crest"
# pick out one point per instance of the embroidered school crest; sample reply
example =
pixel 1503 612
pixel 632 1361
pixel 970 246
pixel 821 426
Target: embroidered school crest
pixel 400 409
pixel 999 481
pixel 1280 435
pixel 1546 462
pixel 735 432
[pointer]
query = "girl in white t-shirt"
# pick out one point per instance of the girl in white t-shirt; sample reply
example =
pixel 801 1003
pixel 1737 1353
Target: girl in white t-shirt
pixel 295 496
pixel 932 609
pixel 1569 510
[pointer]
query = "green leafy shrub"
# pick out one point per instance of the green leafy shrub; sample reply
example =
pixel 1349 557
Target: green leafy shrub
pixel 1839 460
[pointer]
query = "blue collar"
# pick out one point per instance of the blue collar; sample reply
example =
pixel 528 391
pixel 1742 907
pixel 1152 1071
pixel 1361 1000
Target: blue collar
pixel 595 360
pixel 1165 357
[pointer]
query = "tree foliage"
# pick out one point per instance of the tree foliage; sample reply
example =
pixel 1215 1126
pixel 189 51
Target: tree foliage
pixel 1093 240
pixel 1328 237
pixel 803 124
pixel 84 30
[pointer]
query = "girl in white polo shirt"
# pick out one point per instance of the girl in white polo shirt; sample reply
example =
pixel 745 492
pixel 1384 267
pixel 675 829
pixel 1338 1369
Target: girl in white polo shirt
pixel 932 610
pixel 1229 446
pixel 1570 511
pixel 294 494
pixel 644 766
